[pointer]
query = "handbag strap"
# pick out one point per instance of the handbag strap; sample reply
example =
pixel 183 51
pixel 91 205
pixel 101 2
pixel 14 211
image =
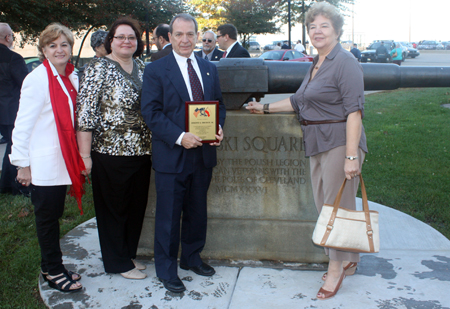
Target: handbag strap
pixel 366 210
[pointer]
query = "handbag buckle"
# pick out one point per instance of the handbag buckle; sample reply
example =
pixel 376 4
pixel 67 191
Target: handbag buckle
pixel 329 227
pixel 369 232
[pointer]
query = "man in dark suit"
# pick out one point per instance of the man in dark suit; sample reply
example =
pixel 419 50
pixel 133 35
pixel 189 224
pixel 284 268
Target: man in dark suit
pixel 182 164
pixel 161 39
pixel 209 50
pixel 12 73
pixel 227 39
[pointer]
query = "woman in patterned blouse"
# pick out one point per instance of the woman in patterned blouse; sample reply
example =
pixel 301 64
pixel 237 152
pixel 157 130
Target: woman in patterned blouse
pixel 116 143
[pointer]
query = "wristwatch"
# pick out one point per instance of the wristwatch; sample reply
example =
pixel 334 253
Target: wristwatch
pixel 351 158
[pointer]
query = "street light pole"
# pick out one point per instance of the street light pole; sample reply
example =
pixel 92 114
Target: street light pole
pixel 289 22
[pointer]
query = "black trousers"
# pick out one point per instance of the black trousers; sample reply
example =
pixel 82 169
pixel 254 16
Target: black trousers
pixel 183 193
pixel 9 172
pixel 120 188
pixel 48 208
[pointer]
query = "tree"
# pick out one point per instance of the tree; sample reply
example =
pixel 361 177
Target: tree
pixel 251 16
pixel 30 17
pixel 209 13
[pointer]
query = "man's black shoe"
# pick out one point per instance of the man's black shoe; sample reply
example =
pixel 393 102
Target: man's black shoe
pixel 202 270
pixel 173 285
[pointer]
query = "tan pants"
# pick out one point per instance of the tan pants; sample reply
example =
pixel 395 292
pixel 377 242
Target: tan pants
pixel 327 175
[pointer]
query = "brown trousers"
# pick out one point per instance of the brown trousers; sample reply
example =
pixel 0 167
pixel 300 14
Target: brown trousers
pixel 327 175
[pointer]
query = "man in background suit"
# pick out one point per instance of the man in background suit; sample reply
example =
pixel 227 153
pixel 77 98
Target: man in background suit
pixel 182 164
pixel 12 73
pixel 227 39
pixel 161 39
pixel 210 51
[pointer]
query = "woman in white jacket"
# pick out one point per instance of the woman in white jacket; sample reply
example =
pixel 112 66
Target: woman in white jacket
pixel 45 149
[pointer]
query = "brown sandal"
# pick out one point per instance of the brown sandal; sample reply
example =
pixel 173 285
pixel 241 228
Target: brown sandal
pixel 329 294
pixel 349 270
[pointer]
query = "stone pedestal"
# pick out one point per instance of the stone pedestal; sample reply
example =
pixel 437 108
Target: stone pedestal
pixel 260 202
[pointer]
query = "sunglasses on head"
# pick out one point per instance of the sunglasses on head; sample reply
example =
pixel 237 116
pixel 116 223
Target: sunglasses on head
pixel 209 40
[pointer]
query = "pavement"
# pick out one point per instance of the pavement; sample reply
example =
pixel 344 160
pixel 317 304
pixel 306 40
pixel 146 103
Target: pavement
pixel 412 270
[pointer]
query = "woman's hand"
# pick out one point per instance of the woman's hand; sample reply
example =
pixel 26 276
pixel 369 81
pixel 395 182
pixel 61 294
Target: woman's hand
pixel 24 176
pixel 351 168
pixel 255 107
pixel 88 165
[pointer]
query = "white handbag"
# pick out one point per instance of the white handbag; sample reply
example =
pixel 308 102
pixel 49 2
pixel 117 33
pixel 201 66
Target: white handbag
pixel 348 230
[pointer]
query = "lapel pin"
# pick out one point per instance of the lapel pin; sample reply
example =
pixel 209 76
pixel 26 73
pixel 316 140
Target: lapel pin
pixel 207 73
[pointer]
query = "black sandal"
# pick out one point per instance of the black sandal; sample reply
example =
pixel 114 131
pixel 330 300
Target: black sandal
pixel 62 282
pixel 70 273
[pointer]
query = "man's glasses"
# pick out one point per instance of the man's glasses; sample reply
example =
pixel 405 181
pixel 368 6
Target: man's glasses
pixel 122 38
pixel 209 40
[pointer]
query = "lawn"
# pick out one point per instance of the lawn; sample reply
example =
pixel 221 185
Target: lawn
pixel 407 168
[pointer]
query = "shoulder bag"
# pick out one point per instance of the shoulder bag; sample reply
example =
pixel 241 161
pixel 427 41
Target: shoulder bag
pixel 348 230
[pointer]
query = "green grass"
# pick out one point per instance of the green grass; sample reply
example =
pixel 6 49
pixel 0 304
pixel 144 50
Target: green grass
pixel 19 248
pixel 408 164
pixel 407 168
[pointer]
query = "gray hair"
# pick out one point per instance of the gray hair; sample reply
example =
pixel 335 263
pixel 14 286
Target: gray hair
pixel 98 38
pixel 329 11
pixel 186 17
pixel 212 32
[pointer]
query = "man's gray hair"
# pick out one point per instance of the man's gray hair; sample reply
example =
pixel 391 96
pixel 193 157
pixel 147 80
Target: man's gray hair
pixel 212 32
pixel 186 17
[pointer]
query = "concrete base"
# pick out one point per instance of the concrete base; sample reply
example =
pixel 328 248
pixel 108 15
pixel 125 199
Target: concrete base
pixel 260 202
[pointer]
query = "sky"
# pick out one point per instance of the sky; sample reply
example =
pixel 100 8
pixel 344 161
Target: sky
pixel 400 20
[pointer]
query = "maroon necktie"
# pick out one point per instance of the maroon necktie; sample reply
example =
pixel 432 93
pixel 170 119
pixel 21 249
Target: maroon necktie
pixel 224 54
pixel 196 86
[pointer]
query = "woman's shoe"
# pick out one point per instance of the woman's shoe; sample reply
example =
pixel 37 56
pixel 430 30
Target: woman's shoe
pixel 329 294
pixel 134 274
pixel 349 270
pixel 74 276
pixel 62 282
pixel 138 265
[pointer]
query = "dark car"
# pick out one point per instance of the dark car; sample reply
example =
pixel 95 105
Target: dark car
pixel 286 55
pixel 412 52
pixel 369 54
pixel 32 63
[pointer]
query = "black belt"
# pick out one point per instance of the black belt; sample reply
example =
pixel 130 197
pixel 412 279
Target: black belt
pixel 307 122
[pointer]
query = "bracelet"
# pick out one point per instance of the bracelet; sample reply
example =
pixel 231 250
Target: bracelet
pixel 20 167
pixel 266 109
pixel 351 158
pixel 86 157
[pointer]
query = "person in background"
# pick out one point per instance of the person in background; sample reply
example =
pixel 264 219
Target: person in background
pixel 227 39
pixel 162 42
pixel 45 149
pixel 356 52
pixel 12 73
pixel 183 164
pixel 97 43
pixel 209 50
pixel 116 143
pixel 382 53
pixel 278 46
pixel 285 45
pixel 330 107
pixel 299 47
pixel 396 54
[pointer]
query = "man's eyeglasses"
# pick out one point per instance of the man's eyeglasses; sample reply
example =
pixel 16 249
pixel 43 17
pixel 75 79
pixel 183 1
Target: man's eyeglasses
pixel 122 38
pixel 209 40
pixel 219 35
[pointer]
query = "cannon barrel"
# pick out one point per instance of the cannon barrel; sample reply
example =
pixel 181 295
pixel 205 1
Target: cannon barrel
pixel 242 78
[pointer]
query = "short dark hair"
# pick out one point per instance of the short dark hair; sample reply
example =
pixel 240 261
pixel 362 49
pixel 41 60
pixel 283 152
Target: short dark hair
pixel 162 30
pixel 228 29
pixel 134 24
pixel 186 17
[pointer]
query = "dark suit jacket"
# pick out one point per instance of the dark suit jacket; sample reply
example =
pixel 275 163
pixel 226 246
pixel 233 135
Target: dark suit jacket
pixel 164 94
pixel 12 73
pixel 162 53
pixel 216 54
pixel 238 52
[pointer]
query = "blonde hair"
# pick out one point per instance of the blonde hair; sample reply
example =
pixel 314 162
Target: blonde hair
pixel 51 33
pixel 329 11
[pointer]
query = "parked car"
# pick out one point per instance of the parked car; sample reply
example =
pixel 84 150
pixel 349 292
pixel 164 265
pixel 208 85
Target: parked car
pixel 427 45
pixel 446 45
pixel 369 55
pixel 32 63
pixel 412 52
pixel 286 55
pixel 254 46
pixel 272 45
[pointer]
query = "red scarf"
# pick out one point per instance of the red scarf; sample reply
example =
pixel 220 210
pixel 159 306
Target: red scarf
pixel 66 133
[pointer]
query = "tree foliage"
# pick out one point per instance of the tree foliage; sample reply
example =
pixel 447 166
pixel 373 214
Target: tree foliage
pixel 30 17
pixel 209 13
